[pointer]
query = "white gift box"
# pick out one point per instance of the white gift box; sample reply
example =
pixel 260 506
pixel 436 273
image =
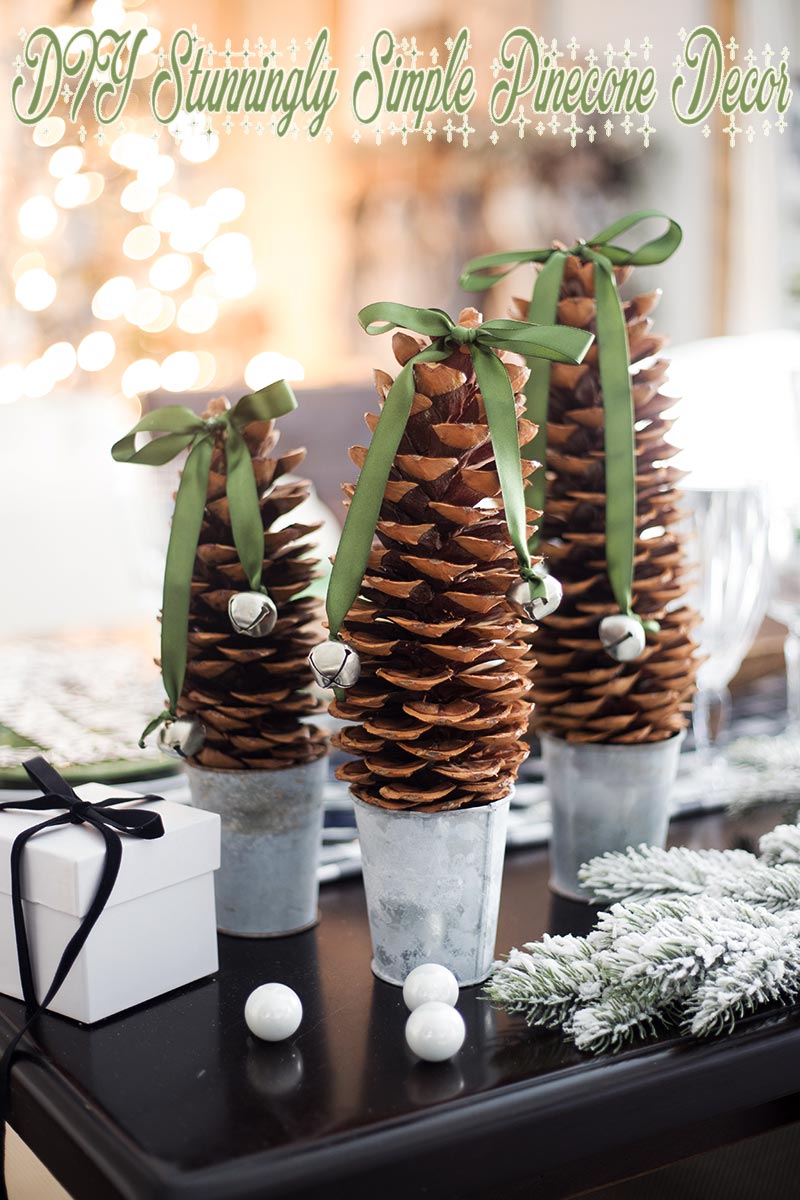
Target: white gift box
pixel 158 930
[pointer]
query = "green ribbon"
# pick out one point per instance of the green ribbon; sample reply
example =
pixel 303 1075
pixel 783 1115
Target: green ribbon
pixel 181 429
pixel 557 343
pixel 614 362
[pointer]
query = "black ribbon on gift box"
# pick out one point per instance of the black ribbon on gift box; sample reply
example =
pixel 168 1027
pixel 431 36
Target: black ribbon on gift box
pixel 110 822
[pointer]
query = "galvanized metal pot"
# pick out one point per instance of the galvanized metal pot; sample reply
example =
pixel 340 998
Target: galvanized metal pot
pixel 271 827
pixel 433 887
pixel 605 797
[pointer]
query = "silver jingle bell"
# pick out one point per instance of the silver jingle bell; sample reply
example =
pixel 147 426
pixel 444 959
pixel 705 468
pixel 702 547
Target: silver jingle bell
pixel 182 738
pixel 333 664
pixel 623 637
pixel 252 613
pixel 519 597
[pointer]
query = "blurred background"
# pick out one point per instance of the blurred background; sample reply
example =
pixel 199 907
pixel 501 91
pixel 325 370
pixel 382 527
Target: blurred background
pixel 136 272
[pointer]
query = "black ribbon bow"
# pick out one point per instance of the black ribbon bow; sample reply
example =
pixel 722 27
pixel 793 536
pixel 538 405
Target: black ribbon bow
pixel 110 822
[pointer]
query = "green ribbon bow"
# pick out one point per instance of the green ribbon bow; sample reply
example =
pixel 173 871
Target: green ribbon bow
pixel 615 381
pixel 181 429
pixel 557 343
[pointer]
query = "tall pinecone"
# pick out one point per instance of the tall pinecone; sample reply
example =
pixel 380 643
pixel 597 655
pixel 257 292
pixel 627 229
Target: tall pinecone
pixel 444 694
pixel 253 693
pixel 581 693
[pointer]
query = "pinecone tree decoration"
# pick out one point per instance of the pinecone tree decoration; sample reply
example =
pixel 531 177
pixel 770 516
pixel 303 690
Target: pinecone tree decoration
pixel 581 693
pixel 437 716
pixel 252 693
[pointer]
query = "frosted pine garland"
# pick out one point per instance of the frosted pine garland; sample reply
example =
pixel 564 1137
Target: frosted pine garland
pixel 700 939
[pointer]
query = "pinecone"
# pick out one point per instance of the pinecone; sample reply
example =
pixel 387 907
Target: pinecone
pixel 581 693
pixel 444 695
pixel 252 694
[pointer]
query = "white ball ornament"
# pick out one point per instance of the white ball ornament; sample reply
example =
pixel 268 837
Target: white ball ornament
pixel 273 1012
pixel 435 1031
pixel 428 982
pixel 623 637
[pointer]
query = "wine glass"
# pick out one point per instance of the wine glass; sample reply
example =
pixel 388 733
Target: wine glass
pixel 784 546
pixel 731 543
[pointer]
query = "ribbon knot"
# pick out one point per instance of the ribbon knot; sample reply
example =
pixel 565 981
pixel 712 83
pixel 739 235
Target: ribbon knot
pixel 109 822
pixel 181 429
pixel 614 367
pixel 557 343
pixel 79 811
pixel 463 336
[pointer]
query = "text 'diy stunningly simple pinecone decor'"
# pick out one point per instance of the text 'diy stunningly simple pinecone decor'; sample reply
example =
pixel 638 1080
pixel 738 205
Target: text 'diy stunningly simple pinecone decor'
pixel 444 696
pixel 581 694
pixel 252 695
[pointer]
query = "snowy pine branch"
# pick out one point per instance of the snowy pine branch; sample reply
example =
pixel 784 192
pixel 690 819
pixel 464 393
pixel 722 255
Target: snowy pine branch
pixel 698 940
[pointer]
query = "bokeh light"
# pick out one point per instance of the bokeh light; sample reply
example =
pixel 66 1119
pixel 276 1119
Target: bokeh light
pixel 142 376
pixel 37 217
pixel 268 367
pixel 36 289
pixel 96 351
pixel 170 272
pixel 180 371
pixel 112 299
pixel 197 314
pixel 141 242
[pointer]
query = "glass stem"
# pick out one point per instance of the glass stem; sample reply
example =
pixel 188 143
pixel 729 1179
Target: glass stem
pixel 710 717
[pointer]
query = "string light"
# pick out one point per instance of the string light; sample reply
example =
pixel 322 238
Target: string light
pixel 36 289
pixel 228 251
pixel 197 314
pixel 48 132
pixel 141 242
pixel 37 380
pixel 133 150
pixel 194 231
pixel 72 191
pixel 163 318
pixel 158 171
pixel 37 217
pixel 112 299
pixel 65 161
pixel 226 204
pixel 107 14
pixel 235 282
pixel 96 351
pixel 207 369
pixel 180 371
pixel 60 359
pixel 142 376
pixel 268 367
pixel 169 212
pixel 137 196
pixel 170 272
pixel 144 307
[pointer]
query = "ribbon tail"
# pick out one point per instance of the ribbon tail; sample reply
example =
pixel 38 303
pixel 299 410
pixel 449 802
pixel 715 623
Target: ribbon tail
pixel 248 531
pixel 187 521
pixel 543 310
pixel 620 450
pixel 355 543
pixel 498 401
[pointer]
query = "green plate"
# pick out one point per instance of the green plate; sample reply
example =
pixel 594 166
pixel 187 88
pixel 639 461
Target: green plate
pixel 123 770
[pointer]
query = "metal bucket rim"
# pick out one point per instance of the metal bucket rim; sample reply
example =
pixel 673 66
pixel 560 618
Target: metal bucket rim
pixel 605 747
pixel 451 813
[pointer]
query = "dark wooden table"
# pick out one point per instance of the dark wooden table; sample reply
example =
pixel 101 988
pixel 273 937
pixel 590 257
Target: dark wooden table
pixel 175 1099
